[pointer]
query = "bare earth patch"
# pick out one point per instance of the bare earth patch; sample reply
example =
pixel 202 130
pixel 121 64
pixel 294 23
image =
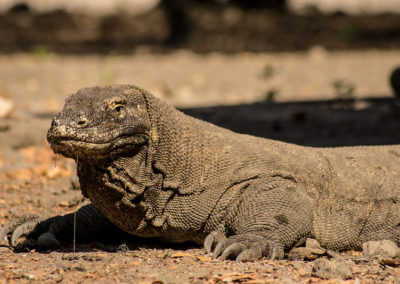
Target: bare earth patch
pixel 35 181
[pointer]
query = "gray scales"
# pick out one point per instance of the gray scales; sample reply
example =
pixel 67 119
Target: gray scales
pixel 153 171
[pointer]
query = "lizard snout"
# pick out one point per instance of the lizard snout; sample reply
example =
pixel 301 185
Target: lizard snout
pixel 61 130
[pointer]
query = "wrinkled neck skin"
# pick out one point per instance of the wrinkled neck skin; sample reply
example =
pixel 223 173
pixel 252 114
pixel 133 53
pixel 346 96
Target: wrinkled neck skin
pixel 148 190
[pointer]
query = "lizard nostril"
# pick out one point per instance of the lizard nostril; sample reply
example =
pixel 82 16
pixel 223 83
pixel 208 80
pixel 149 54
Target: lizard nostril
pixel 82 122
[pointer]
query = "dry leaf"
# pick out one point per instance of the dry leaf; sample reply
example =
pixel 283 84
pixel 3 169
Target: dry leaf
pixel 181 254
pixel 64 204
pixel 203 258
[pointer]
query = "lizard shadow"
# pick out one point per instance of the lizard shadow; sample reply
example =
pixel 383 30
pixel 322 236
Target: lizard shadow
pixel 325 123
pixel 121 242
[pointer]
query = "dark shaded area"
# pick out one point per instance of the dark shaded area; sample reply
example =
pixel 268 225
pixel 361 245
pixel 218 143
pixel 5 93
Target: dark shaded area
pixel 395 81
pixel 374 121
pixel 178 22
pixel 202 26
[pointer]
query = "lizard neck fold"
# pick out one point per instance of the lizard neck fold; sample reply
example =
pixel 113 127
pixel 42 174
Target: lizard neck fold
pixel 182 146
pixel 128 191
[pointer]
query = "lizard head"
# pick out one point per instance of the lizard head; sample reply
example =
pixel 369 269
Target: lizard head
pixel 101 122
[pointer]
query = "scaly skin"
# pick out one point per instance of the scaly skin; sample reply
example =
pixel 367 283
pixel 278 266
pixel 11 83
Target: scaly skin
pixel 152 171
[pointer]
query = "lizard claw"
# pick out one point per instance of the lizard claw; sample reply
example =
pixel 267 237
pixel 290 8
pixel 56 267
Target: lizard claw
pixel 220 248
pixel 233 251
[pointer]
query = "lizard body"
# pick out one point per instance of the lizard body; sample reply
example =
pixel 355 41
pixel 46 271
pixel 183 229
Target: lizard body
pixel 152 171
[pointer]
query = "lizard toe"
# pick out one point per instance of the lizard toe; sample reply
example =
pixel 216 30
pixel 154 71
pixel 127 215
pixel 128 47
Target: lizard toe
pixel 221 247
pixel 212 240
pixel 23 230
pixel 7 230
pixel 248 255
pixel 276 253
pixel 233 251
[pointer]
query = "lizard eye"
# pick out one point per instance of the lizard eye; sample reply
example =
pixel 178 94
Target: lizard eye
pixel 118 108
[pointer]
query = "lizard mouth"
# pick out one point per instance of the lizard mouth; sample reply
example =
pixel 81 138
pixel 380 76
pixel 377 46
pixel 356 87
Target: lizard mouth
pixel 74 148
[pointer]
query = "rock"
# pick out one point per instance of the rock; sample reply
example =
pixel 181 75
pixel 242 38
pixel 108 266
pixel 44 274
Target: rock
pixel 380 249
pixel 335 268
pixel 315 246
pixel 55 278
pixel 312 251
pixel 302 253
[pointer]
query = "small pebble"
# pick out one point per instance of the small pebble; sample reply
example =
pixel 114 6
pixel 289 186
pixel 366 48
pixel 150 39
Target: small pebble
pixel 335 268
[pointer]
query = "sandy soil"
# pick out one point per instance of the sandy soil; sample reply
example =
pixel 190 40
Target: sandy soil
pixel 317 98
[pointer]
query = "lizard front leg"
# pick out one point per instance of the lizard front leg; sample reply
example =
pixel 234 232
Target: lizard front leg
pixel 269 218
pixel 34 232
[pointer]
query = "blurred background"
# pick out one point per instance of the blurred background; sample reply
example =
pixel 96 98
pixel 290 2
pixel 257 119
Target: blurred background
pixel 311 72
pixel 314 72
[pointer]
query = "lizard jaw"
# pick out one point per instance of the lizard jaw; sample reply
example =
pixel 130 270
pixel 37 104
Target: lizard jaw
pixel 71 148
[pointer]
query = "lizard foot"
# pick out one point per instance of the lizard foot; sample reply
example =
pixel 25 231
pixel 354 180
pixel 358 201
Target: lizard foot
pixel 26 233
pixel 245 247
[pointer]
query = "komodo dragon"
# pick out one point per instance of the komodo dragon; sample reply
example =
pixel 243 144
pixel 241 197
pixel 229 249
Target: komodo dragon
pixel 153 171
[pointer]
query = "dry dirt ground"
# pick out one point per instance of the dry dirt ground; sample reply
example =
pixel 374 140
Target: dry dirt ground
pixel 316 98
